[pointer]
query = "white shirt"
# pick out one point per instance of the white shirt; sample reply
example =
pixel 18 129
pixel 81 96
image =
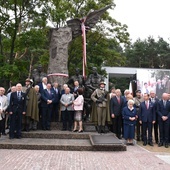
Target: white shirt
pixel 44 86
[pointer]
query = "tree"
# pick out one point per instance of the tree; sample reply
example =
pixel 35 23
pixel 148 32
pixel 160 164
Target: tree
pixel 17 18
pixel 24 36
pixel 148 54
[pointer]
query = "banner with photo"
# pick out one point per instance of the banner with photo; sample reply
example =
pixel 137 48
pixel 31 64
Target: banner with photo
pixel 153 80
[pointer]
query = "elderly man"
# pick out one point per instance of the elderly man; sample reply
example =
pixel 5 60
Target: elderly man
pixel 43 84
pixel 55 112
pixel 67 109
pixel 163 120
pixel 4 105
pixel 12 89
pixel 17 108
pixel 48 98
pixel 155 101
pixel 116 106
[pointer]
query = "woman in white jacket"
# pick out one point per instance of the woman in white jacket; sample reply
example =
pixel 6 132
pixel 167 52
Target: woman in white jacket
pixel 78 110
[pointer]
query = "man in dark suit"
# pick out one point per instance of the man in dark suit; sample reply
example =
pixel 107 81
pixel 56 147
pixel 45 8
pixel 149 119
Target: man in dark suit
pixel 56 104
pixel 155 101
pixel 147 118
pixel 116 105
pixel 48 98
pixel 43 84
pixel 17 107
pixel 163 120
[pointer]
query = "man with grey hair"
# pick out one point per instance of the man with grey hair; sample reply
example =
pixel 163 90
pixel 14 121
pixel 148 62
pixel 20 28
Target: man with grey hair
pixel 48 98
pixel 17 108
pixel 4 105
pixel 155 101
pixel 55 111
pixel 163 120
pixel 43 84
pixel 116 106
pixel 67 109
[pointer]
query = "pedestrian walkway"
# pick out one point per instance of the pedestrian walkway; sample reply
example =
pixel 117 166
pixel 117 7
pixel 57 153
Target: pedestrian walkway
pixel 135 158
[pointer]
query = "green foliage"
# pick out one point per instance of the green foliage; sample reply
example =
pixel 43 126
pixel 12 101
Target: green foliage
pixel 24 36
pixel 148 54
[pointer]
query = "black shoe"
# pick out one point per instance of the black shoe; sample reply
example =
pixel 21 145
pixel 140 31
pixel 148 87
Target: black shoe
pixel 160 144
pixel 144 143
pixel 166 145
pixel 138 139
pixel 119 137
pixel 103 130
pixel 150 143
pixel 11 137
pixel 99 129
pixel 4 134
pixel 80 131
pixel 64 129
pixel 75 130
pixel 19 137
pixel 43 128
pixel 48 129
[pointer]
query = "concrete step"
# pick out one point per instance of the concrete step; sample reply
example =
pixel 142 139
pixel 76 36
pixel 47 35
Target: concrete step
pixel 56 134
pixel 64 140
pixel 87 126
pixel 58 144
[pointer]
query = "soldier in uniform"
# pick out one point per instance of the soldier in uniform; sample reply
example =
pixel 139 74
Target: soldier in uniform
pixel 32 112
pixel 101 98
pixel 138 100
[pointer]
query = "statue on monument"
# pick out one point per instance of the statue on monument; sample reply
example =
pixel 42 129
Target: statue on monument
pixel 91 84
pixel 38 74
pixel 77 77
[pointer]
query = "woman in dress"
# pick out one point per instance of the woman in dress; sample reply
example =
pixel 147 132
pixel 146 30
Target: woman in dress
pixel 129 120
pixel 78 111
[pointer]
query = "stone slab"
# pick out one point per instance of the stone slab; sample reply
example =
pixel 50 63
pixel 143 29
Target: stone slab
pixel 105 139
pixel 55 134
pixel 107 142
pixel 47 144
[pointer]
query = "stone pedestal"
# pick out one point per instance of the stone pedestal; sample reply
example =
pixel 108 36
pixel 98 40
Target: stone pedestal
pixel 57 68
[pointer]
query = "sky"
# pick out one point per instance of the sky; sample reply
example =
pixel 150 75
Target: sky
pixel 144 18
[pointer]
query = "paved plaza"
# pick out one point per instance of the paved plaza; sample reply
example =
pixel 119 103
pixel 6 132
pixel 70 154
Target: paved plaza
pixel 135 158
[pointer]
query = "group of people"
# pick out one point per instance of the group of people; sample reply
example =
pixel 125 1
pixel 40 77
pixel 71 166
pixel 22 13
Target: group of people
pixel 133 115
pixel 31 106
pixel 144 113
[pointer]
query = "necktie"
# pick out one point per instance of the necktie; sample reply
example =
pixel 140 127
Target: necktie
pixel 19 95
pixel 164 103
pixel 146 103
pixel 49 92
pixel 118 99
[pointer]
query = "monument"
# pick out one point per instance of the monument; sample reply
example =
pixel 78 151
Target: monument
pixel 60 39
pixel 57 67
